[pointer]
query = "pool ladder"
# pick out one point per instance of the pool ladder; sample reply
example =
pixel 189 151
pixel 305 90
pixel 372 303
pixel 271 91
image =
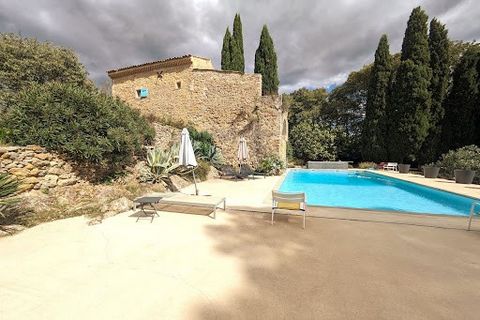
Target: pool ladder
pixel 472 213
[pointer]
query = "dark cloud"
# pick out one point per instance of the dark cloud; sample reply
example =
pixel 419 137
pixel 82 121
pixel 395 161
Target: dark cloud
pixel 317 42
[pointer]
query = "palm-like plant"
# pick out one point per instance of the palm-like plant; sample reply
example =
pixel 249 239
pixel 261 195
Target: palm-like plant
pixel 208 152
pixel 161 163
pixel 8 187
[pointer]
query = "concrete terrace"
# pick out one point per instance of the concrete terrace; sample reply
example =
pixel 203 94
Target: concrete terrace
pixel 347 264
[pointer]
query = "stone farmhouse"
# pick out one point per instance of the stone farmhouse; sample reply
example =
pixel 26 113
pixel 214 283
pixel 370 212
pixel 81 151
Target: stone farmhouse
pixel 228 104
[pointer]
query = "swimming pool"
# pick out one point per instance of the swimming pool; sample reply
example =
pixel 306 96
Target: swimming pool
pixel 368 190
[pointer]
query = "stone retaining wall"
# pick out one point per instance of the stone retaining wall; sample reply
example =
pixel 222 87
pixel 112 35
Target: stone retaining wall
pixel 36 168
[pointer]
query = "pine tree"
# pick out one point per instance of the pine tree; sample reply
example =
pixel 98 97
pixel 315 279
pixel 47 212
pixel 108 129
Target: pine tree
pixel 238 37
pixel 374 126
pixel 439 62
pixel 266 63
pixel 462 110
pixel 409 111
pixel 226 56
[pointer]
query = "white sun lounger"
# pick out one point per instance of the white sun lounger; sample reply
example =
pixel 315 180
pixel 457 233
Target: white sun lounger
pixel 195 201
pixel 392 166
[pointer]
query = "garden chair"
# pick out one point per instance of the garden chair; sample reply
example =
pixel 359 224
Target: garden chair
pixel 246 171
pixel 289 201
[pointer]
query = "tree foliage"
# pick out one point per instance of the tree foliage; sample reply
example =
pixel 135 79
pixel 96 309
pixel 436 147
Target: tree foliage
pixel 226 56
pixel 238 37
pixel 375 131
pixel 462 110
pixel 266 63
pixel 310 141
pixel 409 110
pixel 81 123
pixel 439 62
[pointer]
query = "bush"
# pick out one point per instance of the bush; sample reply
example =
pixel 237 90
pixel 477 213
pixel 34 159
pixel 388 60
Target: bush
pixel 310 141
pixel 205 148
pixel 367 165
pixel 202 170
pixel 271 165
pixel 82 123
pixel 466 158
pixel 26 61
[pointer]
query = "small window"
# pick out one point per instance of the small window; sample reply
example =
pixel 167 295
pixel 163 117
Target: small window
pixel 142 93
pixel 179 84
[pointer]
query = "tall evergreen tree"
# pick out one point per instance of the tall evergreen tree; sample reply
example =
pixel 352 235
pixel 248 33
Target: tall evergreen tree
pixel 235 56
pixel 409 111
pixel 462 110
pixel 439 45
pixel 266 63
pixel 226 56
pixel 238 37
pixel 374 126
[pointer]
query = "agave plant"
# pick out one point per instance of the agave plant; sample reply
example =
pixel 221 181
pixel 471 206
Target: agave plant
pixel 161 163
pixel 8 187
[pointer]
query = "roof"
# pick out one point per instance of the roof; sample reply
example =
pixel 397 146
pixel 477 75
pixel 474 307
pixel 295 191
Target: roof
pixel 174 61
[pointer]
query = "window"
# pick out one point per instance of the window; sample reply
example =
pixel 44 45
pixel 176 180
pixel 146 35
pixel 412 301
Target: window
pixel 142 93
pixel 179 84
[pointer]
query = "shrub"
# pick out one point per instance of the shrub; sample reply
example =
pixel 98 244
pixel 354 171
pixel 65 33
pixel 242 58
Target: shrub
pixel 466 158
pixel 271 165
pixel 205 148
pixel 367 165
pixel 202 170
pixel 310 141
pixel 82 123
pixel 8 187
pixel 26 61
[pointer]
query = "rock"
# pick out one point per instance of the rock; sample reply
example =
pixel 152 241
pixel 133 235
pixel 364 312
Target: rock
pixel 6 161
pixel 50 180
pixel 66 182
pixel 30 180
pixel 11 165
pixel 34 172
pixel 213 173
pixel 29 166
pixel 55 171
pixel 12 155
pixel 43 156
pixel 19 172
pixel 34 148
pixel 25 187
pixel 177 182
pixel 116 206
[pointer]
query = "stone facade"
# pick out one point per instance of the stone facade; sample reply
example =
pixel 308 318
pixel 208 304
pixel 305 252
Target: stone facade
pixel 229 105
pixel 36 168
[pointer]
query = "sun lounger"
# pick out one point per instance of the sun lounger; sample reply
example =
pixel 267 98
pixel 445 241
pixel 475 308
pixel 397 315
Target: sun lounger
pixel 289 201
pixel 195 201
pixel 228 172
pixel 247 172
pixel 392 166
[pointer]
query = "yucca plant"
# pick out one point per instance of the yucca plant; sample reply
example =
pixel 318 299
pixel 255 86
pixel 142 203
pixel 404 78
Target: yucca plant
pixel 8 187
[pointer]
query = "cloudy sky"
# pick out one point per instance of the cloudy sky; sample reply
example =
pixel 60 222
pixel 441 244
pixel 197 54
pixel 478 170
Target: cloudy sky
pixel 317 42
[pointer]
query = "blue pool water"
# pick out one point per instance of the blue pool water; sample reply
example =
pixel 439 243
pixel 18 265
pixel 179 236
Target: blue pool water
pixel 367 190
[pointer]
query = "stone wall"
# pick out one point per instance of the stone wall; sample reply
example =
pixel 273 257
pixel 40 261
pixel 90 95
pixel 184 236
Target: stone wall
pixel 36 168
pixel 229 105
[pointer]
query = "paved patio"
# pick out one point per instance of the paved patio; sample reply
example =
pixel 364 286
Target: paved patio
pixel 347 264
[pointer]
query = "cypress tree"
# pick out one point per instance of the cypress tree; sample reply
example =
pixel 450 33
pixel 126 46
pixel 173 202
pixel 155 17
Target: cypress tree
pixel 374 126
pixel 439 45
pixel 409 111
pixel 461 126
pixel 266 63
pixel 226 56
pixel 235 56
pixel 238 37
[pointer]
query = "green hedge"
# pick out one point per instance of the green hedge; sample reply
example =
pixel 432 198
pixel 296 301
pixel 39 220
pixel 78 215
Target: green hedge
pixel 79 122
